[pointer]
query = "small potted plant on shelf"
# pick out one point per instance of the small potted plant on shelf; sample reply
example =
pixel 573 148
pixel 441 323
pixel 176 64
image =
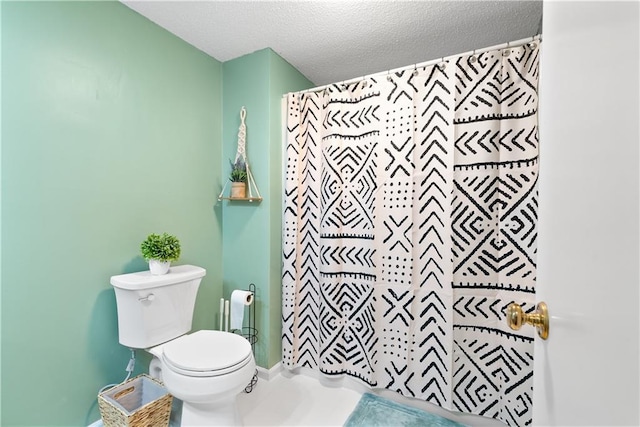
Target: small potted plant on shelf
pixel 159 251
pixel 238 178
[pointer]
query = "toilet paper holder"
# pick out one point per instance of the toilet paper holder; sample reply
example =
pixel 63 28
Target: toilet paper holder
pixel 251 334
pixel 242 298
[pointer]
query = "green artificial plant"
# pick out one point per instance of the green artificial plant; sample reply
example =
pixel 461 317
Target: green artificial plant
pixel 163 247
pixel 238 171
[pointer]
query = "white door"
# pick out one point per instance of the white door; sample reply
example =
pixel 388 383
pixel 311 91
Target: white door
pixel 587 372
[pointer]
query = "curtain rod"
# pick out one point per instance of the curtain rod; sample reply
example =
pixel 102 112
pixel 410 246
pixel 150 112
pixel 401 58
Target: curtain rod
pixel 516 43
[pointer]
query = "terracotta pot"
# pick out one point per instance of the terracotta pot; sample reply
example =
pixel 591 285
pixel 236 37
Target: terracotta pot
pixel 238 190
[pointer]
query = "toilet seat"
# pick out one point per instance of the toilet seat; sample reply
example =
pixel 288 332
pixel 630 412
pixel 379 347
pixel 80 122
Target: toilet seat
pixel 207 354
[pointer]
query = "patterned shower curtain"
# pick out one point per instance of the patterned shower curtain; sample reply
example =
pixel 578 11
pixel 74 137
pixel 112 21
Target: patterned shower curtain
pixel 409 226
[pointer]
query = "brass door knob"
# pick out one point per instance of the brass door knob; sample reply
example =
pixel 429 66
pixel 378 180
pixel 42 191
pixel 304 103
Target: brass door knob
pixel 516 317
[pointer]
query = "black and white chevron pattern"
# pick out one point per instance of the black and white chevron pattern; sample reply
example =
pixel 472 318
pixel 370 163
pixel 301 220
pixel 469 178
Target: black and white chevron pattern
pixel 410 223
pixel 301 234
pixel 494 230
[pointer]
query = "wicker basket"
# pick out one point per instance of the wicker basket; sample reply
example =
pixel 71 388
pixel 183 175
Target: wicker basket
pixel 140 402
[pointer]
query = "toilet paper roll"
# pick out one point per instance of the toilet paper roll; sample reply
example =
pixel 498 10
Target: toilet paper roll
pixel 239 300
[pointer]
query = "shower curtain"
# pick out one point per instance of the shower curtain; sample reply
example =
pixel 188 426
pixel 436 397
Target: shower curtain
pixel 409 225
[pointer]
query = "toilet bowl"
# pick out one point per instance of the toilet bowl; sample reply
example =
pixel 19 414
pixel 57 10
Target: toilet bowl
pixel 206 370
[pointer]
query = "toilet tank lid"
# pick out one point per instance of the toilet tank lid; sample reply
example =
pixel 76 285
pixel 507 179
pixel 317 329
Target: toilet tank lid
pixel 146 280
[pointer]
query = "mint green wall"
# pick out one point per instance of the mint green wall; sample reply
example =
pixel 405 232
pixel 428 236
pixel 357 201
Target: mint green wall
pixel 252 232
pixel 0 222
pixel 283 79
pixel 111 131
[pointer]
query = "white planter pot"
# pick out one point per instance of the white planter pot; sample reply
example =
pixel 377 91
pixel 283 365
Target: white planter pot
pixel 158 267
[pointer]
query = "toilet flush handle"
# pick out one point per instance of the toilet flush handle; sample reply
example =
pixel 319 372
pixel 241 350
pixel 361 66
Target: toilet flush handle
pixel 149 298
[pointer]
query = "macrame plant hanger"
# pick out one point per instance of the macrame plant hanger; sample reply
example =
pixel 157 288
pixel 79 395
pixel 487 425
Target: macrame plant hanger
pixel 242 154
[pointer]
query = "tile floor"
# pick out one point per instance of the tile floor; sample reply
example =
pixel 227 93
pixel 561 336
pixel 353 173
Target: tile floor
pixel 296 400
pixel 289 400
pixel 308 399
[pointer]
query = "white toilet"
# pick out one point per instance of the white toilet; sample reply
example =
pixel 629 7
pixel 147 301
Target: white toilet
pixel 205 369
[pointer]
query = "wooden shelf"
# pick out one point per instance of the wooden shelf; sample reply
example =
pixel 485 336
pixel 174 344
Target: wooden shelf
pixel 241 199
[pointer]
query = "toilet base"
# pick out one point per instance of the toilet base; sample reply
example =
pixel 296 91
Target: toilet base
pixel 223 412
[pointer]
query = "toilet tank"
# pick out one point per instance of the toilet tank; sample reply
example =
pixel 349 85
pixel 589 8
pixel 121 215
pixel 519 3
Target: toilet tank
pixel 155 309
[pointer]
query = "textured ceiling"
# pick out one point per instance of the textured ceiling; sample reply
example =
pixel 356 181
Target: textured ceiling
pixel 331 41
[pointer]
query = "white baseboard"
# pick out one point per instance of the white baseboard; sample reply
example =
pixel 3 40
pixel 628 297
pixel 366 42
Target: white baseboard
pixel 269 374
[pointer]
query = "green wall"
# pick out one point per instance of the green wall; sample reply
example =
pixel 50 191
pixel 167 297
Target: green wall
pixel 252 232
pixel 0 221
pixel 111 131
pixel 283 78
